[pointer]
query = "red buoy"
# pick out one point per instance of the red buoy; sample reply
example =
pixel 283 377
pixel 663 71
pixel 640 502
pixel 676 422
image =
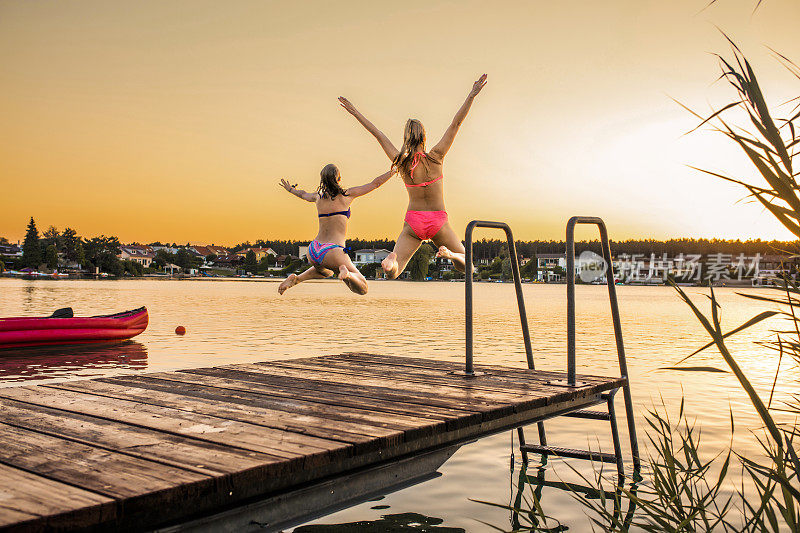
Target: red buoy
pixel 180 330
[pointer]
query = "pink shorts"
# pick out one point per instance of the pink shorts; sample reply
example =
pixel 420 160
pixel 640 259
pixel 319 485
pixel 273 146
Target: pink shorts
pixel 426 224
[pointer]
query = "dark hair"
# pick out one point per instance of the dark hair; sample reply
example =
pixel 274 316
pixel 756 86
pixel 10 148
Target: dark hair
pixel 413 142
pixel 329 182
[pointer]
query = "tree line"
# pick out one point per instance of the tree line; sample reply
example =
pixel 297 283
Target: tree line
pixel 489 249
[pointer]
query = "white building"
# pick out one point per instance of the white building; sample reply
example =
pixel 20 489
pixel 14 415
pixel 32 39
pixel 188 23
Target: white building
pixel 545 264
pixel 369 255
pixel 302 252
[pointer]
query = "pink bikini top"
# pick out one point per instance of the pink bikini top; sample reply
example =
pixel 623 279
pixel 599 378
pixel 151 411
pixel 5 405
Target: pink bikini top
pixel 414 163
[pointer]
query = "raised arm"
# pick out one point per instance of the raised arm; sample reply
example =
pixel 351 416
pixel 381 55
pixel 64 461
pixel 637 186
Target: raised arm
pixel 441 148
pixel 300 193
pixel 383 140
pixel 361 190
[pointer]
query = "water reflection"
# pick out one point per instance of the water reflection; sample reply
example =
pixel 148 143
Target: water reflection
pixel 47 362
pixel 390 522
pixel 529 511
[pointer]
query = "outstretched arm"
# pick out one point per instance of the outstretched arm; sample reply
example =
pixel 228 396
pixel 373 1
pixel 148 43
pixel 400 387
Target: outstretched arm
pixel 300 193
pixel 444 145
pixel 361 190
pixel 383 140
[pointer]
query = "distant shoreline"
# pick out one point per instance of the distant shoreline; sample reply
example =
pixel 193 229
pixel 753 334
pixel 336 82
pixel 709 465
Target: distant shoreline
pixel 729 283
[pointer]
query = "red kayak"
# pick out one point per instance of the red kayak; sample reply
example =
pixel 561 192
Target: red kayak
pixel 48 331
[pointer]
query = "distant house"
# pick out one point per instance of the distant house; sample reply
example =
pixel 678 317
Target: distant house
pixel 776 263
pixel 370 255
pixel 284 260
pixel 551 260
pixel 218 250
pixel 260 252
pixel 143 255
pixel 230 260
pixel 545 264
pixel 168 249
pixel 10 250
pixel 303 252
pixel 205 251
pixel 443 265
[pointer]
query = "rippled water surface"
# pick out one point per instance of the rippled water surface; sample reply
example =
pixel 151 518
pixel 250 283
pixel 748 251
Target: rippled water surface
pixel 246 321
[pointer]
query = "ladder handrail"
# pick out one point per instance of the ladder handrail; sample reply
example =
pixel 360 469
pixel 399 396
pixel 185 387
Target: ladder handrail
pixel 512 251
pixel 612 297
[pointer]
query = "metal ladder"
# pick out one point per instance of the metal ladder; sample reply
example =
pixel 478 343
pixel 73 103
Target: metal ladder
pixel 608 398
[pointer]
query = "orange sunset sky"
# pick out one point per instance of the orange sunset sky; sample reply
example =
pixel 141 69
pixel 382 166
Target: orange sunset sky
pixel 174 121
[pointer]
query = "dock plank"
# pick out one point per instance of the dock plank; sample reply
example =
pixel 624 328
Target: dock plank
pixel 334 374
pixel 183 452
pixel 311 378
pixel 247 396
pixel 501 387
pixel 433 364
pixel 366 399
pixel 213 429
pixel 501 380
pixel 31 502
pixel 144 486
pixel 140 451
pixel 356 434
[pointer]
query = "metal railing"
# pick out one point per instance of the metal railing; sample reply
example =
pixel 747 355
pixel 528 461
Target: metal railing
pixel 512 252
pixel 612 297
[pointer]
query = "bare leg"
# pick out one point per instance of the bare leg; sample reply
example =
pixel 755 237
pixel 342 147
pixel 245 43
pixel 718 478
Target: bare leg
pixel 314 272
pixel 407 244
pixel 450 246
pixel 348 273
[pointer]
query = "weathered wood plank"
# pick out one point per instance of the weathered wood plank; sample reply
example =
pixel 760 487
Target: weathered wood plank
pixel 176 383
pixel 418 362
pixel 362 398
pixel 519 381
pixel 112 474
pixel 493 385
pixel 314 378
pixel 471 391
pixel 206 428
pixel 188 454
pixel 29 502
pixel 523 374
pixel 356 434
pixel 367 422
pixel 505 393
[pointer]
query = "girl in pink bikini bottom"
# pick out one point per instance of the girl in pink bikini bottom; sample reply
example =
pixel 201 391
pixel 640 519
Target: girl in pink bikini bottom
pixel 426 224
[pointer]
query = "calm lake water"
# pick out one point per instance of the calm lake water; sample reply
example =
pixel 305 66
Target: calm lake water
pixel 246 321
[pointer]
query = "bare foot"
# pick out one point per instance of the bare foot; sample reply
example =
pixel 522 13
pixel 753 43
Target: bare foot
pixel 343 273
pixel 288 283
pixel 444 252
pixel 389 264
pixel 352 281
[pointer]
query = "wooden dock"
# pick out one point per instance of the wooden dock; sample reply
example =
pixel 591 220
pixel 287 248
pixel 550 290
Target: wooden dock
pixel 149 450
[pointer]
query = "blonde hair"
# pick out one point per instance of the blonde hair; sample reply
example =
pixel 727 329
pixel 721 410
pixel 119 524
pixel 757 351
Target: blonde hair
pixel 413 142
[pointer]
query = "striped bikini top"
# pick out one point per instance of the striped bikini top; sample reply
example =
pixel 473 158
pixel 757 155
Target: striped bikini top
pixel 414 163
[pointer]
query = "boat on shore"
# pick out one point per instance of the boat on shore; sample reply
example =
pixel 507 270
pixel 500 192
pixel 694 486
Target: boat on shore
pixel 64 328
